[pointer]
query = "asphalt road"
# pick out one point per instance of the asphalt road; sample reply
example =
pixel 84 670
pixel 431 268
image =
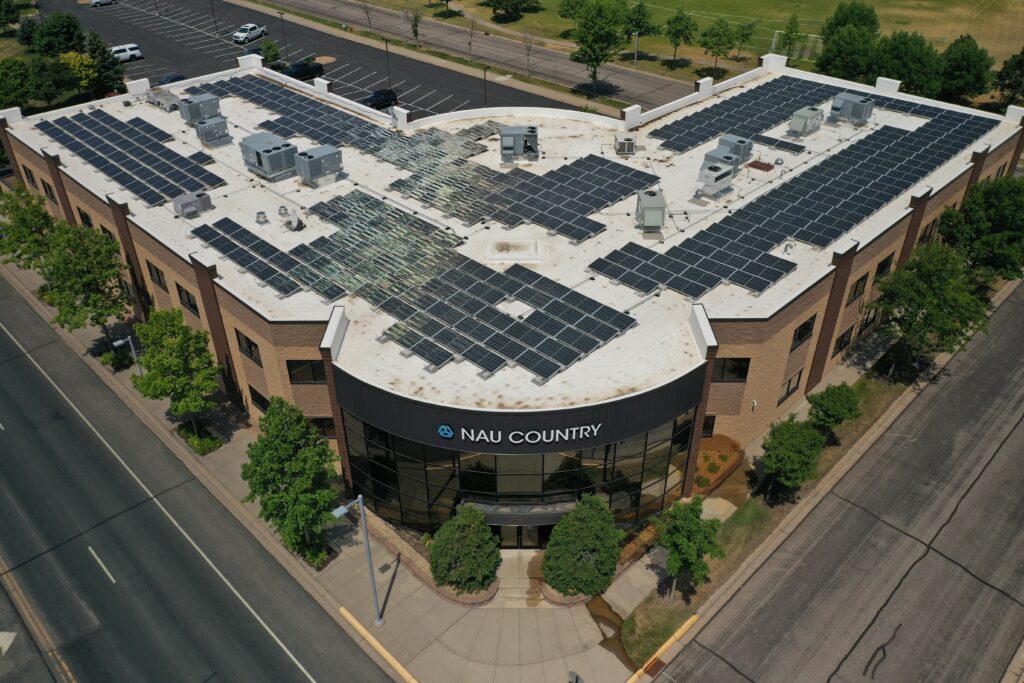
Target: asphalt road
pixel 184 36
pixel 912 569
pixel 126 579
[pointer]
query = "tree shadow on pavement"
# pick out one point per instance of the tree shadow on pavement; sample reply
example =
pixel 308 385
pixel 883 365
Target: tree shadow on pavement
pixel 603 88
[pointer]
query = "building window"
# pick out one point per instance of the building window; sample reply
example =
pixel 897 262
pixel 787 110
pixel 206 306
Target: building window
pixel 929 231
pixel 324 426
pixel 884 266
pixel 249 348
pixel 259 400
pixel 708 428
pixel 109 235
pixel 857 289
pixel 803 333
pixel 157 276
pixel 790 386
pixel 306 372
pixel 1001 171
pixel 869 320
pixel 30 177
pixel 730 370
pixel 843 341
pixel 48 191
pixel 84 218
pixel 187 300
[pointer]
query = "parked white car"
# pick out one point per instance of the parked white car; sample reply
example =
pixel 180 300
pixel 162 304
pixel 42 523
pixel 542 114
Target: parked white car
pixel 126 53
pixel 100 3
pixel 247 33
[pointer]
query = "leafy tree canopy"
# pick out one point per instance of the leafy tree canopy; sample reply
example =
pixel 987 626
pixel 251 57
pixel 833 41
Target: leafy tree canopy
pixel 48 79
pixel 848 54
pixel 512 10
pixel 583 550
pixel 718 39
pixel 25 224
pixel 689 539
pixel 567 9
pixel 792 35
pixel 1010 80
pixel 833 406
pixel 910 58
pixel 9 14
pixel 464 554
pixel 743 34
pixel 966 70
pixel 791 452
pixel 681 28
pixel 599 34
pixel 989 227
pixel 15 74
pixel 57 33
pixel 270 51
pixel 81 66
pixel 27 28
pixel 638 20
pixel 109 70
pixel 853 13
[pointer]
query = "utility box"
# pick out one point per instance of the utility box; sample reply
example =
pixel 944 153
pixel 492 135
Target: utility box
pixel 213 132
pixel 625 144
pixel 318 165
pixel 738 146
pixel 199 107
pixel 191 204
pixel 715 180
pixel 268 155
pixel 848 106
pixel 806 121
pixel 650 210
pixel 164 99
pixel 519 142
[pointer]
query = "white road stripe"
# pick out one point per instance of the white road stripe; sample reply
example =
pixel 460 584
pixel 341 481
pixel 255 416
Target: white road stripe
pixel 160 505
pixel 102 566
pixel 2 427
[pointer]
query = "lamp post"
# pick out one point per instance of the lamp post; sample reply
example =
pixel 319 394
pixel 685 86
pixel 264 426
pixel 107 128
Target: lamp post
pixel 155 8
pixel 387 59
pixel 216 28
pixel 636 45
pixel 284 36
pixel 340 512
pixel 485 85
pixel 118 343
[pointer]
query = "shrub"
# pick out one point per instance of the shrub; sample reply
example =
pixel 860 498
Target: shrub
pixel 689 539
pixel 713 468
pixel 791 452
pixel 202 443
pixel 701 481
pixel 833 406
pixel 464 553
pixel 117 359
pixel 724 457
pixel 583 550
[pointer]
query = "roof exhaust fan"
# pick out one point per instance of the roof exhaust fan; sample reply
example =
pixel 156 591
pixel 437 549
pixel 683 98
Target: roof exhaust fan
pixel 848 106
pixel 650 210
pixel 625 144
pixel 715 180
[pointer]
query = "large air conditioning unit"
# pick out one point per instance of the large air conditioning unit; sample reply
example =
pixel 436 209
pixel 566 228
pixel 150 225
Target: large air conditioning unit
pixel 737 146
pixel 191 204
pixel 164 99
pixel 650 210
pixel 715 180
pixel 268 155
pixel 213 132
pixel 848 106
pixel 806 121
pixel 318 166
pixel 199 107
pixel 625 144
pixel 721 156
pixel 519 142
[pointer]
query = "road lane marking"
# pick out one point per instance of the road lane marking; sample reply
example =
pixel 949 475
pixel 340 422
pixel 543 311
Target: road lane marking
pixel 164 510
pixel 33 622
pixel 2 427
pixel 102 566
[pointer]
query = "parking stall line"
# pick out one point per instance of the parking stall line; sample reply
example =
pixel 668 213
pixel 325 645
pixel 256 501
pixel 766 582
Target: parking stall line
pixel 421 97
pixel 430 107
pixel 458 107
pixel 345 75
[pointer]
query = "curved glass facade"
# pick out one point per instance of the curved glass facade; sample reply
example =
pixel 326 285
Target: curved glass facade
pixel 418 485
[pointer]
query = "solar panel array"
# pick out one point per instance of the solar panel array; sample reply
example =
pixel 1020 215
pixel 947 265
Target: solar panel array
pixel 131 153
pixel 775 143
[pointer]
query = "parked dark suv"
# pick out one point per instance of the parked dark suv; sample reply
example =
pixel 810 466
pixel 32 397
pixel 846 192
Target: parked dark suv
pixel 381 99
pixel 305 71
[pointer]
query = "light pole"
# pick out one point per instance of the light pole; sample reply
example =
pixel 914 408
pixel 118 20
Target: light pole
pixel 636 45
pixel 155 8
pixel 118 343
pixel 387 58
pixel 216 28
pixel 284 36
pixel 485 85
pixel 341 512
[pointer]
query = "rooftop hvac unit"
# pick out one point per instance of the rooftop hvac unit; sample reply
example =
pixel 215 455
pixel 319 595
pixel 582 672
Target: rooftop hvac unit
pixel 847 106
pixel 319 165
pixel 722 157
pixel 268 155
pixel 739 146
pixel 213 132
pixel 625 144
pixel 199 107
pixel 164 99
pixel 519 141
pixel 191 204
pixel 650 210
pixel 715 180
pixel 806 121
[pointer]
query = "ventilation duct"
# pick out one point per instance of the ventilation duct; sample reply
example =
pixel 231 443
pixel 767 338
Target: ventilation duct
pixel 847 106
pixel 806 121
pixel 650 210
pixel 519 142
pixel 213 132
pixel 199 108
pixel 268 155
pixel 191 204
pixel 319 166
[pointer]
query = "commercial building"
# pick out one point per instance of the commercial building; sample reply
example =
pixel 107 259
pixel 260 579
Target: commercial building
pixel 513 306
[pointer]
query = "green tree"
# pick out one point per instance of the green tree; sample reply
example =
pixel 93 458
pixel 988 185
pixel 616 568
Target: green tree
pixel 27 28
pixel 415 15
pixel 718 39
pixel 15 75
pixel 854 13
pixel 833 405
pixel 57 33
pixel 929 304
pixel 512 10
pixel 911 59
pixel 289 474
pixel 270 52
pixel 791 452
pixel 792 35
pixel 178 365
pixel 25 225
pixel 681 28
pixel 989 227
pixel 583 550
pixel 848 54
pixel 9 15
pixel 567 9
pixel 638 21
pixel 109 70
pixel 689 539
pixel 598 34
pixel 464 553
pixel 1010 80
pixel 966 70
pixel 48 79
pixel 84 276
pixel 81 67
pixel 743 34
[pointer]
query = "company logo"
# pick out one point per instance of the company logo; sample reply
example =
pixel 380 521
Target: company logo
pixel 446 432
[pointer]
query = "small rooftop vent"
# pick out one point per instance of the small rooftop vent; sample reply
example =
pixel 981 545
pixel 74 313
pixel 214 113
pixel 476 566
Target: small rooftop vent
pixel 268 155
pixel 164 99
pixel 806 121
pixel 519 142
pixel 213 132
pixel 650 210
pixel 625 144
pixel 715 180
pixel 319 166
pixel 199 107
pixel 847 106
pixel 191 204
pixel 738 146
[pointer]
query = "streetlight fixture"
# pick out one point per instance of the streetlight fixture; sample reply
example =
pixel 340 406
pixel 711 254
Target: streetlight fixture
pixel 636 45
pixel 387 58
pixel 118 343
pixel 284 36
pixel 216 28
pixel 341 512
pixel 486 68
pixel 155 8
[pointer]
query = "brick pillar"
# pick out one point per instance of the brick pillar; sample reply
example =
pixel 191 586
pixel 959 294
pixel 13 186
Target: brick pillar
pixel 1014 161
pixel 341 438
pixel 978 159
pixel 141 300
pixel 843 261
pixel 698 424
pixel 9 150
pixel 205 272
pixel 918 203
pixel 53 166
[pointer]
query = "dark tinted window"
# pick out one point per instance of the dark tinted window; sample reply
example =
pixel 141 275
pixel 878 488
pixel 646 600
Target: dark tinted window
pixel 249 348
pixel 259 400
pixel 803 333
pixel 306 372
pixel 857 289
pixel 730 370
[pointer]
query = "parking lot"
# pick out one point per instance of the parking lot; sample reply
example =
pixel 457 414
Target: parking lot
pixel 193 37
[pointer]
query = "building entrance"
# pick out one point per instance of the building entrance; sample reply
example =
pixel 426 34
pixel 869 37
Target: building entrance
pixel 523 537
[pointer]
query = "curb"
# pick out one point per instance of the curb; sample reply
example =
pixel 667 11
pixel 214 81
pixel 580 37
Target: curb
pixel 680 632
pixel 261 533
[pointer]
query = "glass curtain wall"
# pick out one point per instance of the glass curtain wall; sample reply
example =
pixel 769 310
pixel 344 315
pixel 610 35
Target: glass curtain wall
pixel 418 486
